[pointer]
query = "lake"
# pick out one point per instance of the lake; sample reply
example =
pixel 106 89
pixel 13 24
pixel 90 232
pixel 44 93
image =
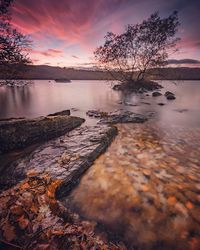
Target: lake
pixel 44 97
pixel 145 189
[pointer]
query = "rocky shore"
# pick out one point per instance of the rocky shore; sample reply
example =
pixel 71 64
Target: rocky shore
pixel 31 215
pixel 19 133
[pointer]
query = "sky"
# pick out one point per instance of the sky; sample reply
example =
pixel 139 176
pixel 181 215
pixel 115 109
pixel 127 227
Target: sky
pixel 66 32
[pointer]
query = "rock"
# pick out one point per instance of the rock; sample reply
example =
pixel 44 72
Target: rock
pixel 123 117
pixel 155 94
pixel 64 112
pixel 74 109
pixel 96 113
pixel 65 162
pixel 168 93
pixel 119 116
pixel 19 133
pixel 117 87
pixel 141 91
pixel 170 97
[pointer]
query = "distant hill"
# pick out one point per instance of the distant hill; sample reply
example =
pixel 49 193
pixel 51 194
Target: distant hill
pixel 180 73
pixel 45 72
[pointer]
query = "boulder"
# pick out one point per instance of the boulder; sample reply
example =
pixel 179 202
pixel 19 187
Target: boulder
pixel 64 112
pixel 156 93
pixel 118 87
pixel 19 133
pixel 168 93
pixel 96 113
pixel 119 116
pixel 170 97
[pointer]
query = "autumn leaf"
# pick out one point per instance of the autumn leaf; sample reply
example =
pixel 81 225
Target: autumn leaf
pixel 23 222
pixel 8 232
pixel 25 186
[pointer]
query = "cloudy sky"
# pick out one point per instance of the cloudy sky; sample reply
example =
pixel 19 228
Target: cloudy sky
pixel 65 32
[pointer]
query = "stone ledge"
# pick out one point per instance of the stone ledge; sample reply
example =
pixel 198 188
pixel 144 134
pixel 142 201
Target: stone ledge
pixel 64 158
pixel 118 116
pixel 19 133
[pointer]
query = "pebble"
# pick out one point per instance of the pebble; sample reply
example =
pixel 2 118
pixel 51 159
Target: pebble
pixel 153 187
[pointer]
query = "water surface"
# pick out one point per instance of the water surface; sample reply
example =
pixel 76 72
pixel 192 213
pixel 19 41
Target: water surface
pixel 145 189
pixel 44 97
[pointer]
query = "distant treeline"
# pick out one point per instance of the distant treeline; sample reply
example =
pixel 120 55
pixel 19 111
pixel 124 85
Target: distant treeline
pixel 45 72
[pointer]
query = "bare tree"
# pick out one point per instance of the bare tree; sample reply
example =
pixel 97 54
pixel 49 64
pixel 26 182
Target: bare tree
pixel 130 55
pixel 14 46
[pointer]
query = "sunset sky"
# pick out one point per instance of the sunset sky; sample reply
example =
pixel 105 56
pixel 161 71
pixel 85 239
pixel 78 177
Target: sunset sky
pixel 65 32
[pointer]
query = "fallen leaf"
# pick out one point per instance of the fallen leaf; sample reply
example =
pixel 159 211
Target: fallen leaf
pixel 172 200
pixel 25 186
pixel 8 232
pixel 189 205
pixel 23 222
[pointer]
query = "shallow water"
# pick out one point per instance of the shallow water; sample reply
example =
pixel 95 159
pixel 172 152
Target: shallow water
pixel 145 189
pixel 44 97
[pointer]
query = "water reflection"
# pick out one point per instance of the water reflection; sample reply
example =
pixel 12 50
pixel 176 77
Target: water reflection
pixel 44 97
pixel 145 189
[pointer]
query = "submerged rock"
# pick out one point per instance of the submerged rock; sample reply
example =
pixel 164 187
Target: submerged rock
pixel 119 116
pixel 155 94
pixel 19 133
pixel 169 95
pixel 118 87
pixel 96 113
pixel 64 112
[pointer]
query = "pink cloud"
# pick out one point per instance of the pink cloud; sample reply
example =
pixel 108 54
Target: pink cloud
pixel 48 53
pixel 57 26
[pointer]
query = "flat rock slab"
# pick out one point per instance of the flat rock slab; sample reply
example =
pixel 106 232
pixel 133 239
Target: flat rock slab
pixel 64 112
pixel 19 133
pixel 64 158
pixel 119 116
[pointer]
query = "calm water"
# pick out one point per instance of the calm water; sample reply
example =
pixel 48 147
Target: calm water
pixel 44 97
pixel 145 189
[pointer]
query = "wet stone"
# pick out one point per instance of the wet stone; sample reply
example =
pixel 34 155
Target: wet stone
pixel 20 133
pixel 156 93
pixel 54 160
pixel 119 116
